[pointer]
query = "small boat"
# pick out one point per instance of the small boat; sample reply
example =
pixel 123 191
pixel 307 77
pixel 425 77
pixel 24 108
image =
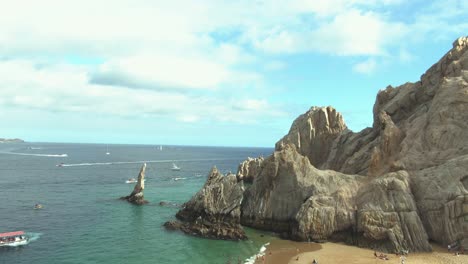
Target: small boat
pixel 160 148
pixel 16 238
pixel 38 206
pixel 175 168
pixel 107 150
pixel 178 178
pixel 59 165
pixel 131 180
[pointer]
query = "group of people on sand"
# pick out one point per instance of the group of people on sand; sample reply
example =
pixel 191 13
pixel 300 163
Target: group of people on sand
pixel 456 248
pixel 380 256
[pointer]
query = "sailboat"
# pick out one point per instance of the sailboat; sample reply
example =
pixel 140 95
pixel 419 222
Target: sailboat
pixel 107 150
pixel 174 167
pixel 160 148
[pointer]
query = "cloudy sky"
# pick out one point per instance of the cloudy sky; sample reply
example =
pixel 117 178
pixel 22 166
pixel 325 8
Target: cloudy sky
pixel 207 72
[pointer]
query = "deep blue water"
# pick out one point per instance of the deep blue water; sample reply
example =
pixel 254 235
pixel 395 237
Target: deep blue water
pixel 84 222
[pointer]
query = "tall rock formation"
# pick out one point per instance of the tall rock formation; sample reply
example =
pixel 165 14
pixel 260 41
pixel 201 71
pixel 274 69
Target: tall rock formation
pixel 137 197
pixel 214 211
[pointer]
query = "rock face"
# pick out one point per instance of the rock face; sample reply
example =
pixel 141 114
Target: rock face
pixel 393 186
pixel 137 197
pixel 313 134
pixel 249 168
pixel 213 212
pixel 413 164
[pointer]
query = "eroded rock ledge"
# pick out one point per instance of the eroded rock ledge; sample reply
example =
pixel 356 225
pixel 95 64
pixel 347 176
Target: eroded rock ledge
pixel 213 212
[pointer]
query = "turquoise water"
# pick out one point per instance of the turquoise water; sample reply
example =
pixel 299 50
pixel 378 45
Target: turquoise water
pixel 84 222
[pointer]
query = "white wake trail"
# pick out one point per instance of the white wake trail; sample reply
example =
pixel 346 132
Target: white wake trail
pixel 36 154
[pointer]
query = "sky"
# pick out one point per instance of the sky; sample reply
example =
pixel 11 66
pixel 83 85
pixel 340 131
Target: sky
pixel 207 72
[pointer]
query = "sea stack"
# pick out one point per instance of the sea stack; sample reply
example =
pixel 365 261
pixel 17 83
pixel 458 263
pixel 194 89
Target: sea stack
pixel 213 212
pixel 137 197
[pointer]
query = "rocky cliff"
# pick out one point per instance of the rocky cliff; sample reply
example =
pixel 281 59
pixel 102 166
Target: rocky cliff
pixel 214 211
pixel 412 162
pixel 137 197
pixel 393 186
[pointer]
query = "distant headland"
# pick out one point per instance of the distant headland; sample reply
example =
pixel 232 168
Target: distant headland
pixel 11 140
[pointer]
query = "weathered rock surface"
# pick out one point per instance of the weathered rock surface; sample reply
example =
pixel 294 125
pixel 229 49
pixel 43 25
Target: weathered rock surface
pixel 388 218
pixel 249 169
pixel 137 196
pixel 214 211
pixel 313 133
pixel 286 181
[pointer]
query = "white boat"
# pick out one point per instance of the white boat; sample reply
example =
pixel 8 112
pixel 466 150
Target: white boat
pixel 160 148
pixel 175 168
pixel 16 238
pixel 107 150
pixel 133 180
pixel 178 178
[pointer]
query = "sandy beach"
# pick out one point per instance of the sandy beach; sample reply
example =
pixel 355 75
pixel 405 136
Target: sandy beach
pixel 284 251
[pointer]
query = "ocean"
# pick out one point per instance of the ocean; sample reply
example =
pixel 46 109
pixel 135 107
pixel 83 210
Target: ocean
pixel 82 219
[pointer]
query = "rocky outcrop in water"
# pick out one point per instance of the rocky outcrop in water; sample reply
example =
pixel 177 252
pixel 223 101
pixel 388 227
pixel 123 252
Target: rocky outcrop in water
pixel 393 186
pixel 249 168
pixel 137 196
pixel 214 211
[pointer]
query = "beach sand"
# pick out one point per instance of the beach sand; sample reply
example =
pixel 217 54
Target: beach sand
pixel 284 251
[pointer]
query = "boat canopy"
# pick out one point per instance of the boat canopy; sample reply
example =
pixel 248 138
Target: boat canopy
pixel 12 234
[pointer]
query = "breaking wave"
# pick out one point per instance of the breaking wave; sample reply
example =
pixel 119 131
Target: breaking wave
pixel 260 254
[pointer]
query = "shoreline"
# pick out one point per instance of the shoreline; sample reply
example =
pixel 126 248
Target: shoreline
pixel 285 251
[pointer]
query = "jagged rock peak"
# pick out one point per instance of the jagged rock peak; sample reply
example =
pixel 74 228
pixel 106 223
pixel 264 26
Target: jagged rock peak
pixel 137 196
pixel 314 132
pixel 249 169
pixel 214 211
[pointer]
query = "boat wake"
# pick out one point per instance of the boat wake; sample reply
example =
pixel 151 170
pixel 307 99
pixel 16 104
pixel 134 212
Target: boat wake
pixel 136 162
pixel 36 154
pixel 178 178
pixel 86 164
pixel 33 236
pixel 260 254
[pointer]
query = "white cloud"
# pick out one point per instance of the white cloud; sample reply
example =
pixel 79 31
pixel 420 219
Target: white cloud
pixel 166 49
pixel 366 67
pixel 159 70
pixel 64 88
